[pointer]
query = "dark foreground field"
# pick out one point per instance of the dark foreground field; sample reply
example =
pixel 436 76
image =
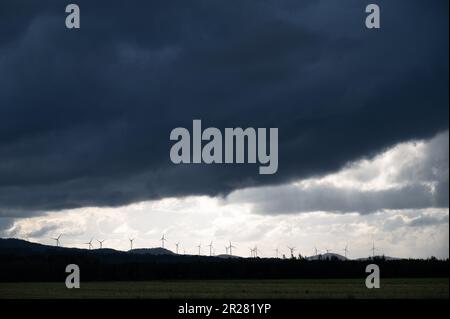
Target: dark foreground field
pixel 426 288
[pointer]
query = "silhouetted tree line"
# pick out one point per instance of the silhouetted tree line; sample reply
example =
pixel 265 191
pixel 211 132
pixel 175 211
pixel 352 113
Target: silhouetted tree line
pixel 122 266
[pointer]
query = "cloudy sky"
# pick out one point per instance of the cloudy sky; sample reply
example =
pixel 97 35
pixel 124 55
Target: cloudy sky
pixel 85 119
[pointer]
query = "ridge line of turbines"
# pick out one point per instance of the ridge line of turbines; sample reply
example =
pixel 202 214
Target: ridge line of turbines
pixel 228 249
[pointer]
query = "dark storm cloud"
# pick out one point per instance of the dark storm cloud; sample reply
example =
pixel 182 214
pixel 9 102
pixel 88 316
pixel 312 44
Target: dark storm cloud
pixel 290 200
pixel 85 115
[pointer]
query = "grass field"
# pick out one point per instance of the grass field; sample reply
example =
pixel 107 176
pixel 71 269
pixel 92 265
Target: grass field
pixel 239 289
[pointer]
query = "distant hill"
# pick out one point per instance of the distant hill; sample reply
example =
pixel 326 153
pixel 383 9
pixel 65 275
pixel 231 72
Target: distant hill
pixel 379 257
pixel 103 251
pixel 19 246
pixel 12 245
pixel 25 261
pixel 227 256
pixel 151 251
pixel 327 256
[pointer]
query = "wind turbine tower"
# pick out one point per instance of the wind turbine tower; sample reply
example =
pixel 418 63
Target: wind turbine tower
pixel 176 245
pixel 292 249
pixel 89 244
pixel 131 243
pixel 101 243
pixel 57 240
pixel 231 249
pixel 163 239
pixel 210 248
pixel 373 249
pixel 345 251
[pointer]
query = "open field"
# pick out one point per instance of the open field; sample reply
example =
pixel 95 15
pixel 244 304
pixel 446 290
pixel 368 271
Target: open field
pixel 241 289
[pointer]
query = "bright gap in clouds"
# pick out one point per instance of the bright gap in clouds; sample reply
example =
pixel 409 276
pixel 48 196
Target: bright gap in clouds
pixel 395 199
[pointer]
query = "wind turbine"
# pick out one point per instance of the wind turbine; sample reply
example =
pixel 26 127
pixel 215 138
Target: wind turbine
pixel 131 243
pixel 177 244
pixel 292 251
pixel 101 243
pixel 251 252
pixel 256 251
pixel 315 251
pixel 231 249
pixel 163 239
pixel 276 251
pixel 199 249
pixel 373 249
pixel 89 243
pixel 57 240
pixel 226 250
pixel 345 250
pixel 210 248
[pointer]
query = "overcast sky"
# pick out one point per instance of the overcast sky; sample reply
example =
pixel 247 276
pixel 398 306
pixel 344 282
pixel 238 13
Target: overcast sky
pixel 85 119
